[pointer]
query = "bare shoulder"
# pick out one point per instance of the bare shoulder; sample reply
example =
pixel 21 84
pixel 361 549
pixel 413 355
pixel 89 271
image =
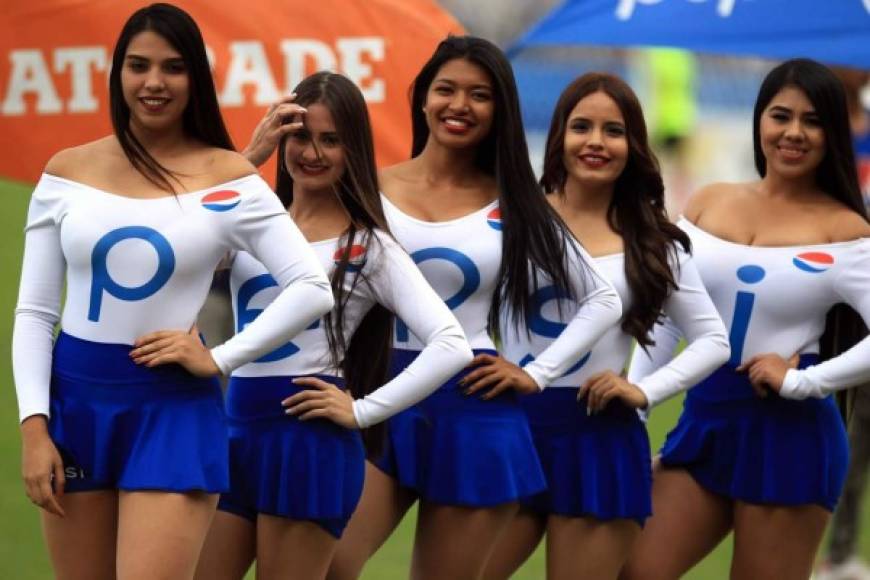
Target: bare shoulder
pixel 76 163
pixel 711 196
pixel 226 165
pixel 845 225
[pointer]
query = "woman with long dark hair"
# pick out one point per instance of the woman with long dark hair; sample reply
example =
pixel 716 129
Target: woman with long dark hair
pixel 295 480
pixel 467 208
pixel 603 181
pixel 124 408
pixel 760 448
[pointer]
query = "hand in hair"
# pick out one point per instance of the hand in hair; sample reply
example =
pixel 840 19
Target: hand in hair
pixel 498 373
pixel 767 371
pixel 175 346
pixel 274 125
pixel 321 400
pixel 603 387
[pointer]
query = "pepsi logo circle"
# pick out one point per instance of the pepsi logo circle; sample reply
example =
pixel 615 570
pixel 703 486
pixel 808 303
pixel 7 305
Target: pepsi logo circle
pixel 356 259
pixel 493 218
pixel 221 201
pixel 813 262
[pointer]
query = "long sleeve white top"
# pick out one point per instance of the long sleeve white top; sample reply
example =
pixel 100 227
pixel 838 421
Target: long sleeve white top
pixel 775 300
pixel 689 304
pixel 388 277
pixel 134 266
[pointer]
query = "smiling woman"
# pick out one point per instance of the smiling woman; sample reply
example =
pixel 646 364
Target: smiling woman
pixel 776 255
pixel 296 451
pixel 459 103
pixel 155 83
pixel 791 135
pixel 467 208
pixel 124 436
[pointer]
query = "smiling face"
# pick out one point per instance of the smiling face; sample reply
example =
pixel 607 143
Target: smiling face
pixel 154 82
pixel 791 135
pixel 596 142
pixel 314 154
pixel 459 105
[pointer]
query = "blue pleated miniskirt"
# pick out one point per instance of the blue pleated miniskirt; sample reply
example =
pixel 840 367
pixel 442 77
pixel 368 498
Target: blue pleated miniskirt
pixel 455 449
pixel 760 450
pixel 596 466
pixel 119 425
pixel 279 465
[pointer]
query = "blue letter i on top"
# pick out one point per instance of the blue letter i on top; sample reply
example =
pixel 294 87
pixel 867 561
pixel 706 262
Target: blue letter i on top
pixel 749 274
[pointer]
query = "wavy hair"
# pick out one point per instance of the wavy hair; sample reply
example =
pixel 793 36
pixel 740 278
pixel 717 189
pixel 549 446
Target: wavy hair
pixel 637 208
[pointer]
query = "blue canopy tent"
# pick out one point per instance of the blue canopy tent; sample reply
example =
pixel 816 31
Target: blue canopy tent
pixel 832 31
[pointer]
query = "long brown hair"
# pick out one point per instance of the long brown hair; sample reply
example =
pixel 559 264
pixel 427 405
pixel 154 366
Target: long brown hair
pixel 365 358
pixel 637 208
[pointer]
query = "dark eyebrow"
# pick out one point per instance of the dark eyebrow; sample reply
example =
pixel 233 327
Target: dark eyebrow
pixel 172 60
pixel 453 83
pixel 782 109
pixel 606 121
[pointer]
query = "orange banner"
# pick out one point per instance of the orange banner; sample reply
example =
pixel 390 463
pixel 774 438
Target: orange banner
pixel 55 56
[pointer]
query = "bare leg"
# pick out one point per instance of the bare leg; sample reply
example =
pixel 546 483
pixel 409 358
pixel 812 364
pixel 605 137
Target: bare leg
pixel 456 542
pixel 776 541
pixel 229 548
pixel 160 535
pixel 292 548
pixel 588 548
pixel 82 544
pixel 382 506
pixel 687 523
pixel 516 544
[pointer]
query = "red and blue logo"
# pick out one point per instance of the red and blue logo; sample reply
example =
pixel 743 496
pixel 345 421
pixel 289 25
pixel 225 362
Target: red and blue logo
pixel 493 218
pixel 355 261
pixel 223 200
pixel 813 262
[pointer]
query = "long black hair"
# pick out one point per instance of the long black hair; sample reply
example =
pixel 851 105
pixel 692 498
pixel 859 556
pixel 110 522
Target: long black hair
pixel 637 208
pixel 533 233
pixel 364 359
pixel 201 119
pixel 836 175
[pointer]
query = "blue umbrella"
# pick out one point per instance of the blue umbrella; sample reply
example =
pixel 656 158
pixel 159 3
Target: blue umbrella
pixel 831 31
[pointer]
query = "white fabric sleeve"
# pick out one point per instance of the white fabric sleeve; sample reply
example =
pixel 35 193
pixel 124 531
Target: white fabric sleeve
pixel 264 230
pixel 399 286
pixel 599 309
pixel 852 367
pixel 38 309
pixel 689 308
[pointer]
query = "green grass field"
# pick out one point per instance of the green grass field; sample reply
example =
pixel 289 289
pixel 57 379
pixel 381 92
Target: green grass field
pixel 22 554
